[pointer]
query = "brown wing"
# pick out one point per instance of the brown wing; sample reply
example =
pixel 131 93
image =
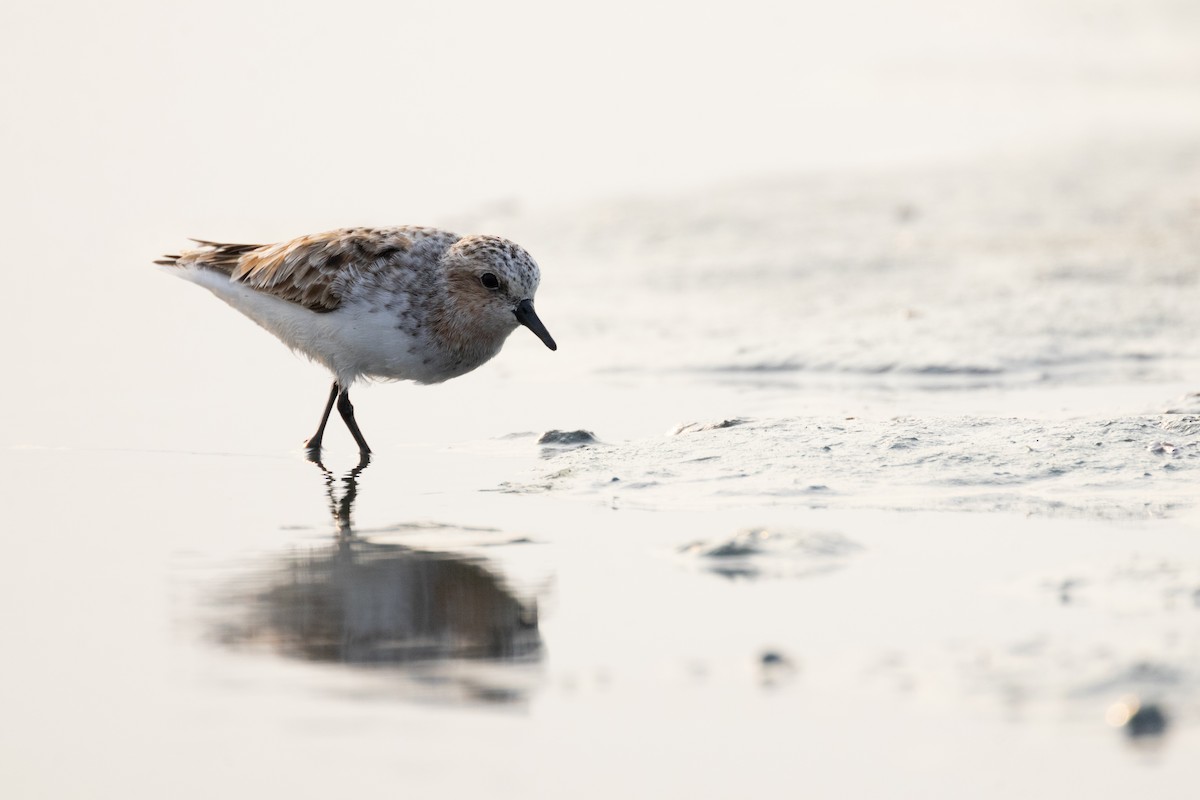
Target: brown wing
pixel 315 270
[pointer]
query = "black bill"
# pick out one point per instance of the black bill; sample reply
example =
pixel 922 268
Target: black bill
pixel 529 318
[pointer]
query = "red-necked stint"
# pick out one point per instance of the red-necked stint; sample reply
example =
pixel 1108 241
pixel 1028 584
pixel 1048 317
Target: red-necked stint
pixel 405 303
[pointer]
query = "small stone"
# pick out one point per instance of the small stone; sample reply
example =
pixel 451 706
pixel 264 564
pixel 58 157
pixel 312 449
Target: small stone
pixel 1149 720
pixel 568 438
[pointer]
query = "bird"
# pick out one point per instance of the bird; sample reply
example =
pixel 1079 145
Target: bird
pixel 397 303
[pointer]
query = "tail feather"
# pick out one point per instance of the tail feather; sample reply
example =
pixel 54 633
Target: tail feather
pixel 238 248
pixel 214 255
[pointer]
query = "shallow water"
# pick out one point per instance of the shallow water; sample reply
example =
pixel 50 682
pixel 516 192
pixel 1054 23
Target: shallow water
pixel 871 477
pixel 505 645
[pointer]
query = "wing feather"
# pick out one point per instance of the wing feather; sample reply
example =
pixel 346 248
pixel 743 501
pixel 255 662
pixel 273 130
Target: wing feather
pixel 313 271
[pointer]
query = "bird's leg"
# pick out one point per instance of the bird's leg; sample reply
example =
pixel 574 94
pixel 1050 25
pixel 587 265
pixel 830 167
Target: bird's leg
pixel 347 412
pixel 313 445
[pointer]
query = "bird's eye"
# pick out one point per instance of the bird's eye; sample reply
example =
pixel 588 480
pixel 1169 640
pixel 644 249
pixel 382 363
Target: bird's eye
pixel 489 281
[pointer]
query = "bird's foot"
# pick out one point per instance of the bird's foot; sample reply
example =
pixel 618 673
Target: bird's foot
pixel 312 450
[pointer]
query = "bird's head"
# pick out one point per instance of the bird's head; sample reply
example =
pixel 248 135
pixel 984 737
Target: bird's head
pixel 493 281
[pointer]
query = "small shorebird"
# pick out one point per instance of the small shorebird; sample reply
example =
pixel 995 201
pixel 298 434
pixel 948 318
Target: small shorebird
pixel 404 303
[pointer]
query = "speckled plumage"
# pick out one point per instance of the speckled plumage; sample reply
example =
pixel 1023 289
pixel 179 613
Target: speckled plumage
pixel 404 303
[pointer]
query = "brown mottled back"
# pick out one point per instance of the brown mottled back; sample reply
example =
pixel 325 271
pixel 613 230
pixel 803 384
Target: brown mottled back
pixel 313 271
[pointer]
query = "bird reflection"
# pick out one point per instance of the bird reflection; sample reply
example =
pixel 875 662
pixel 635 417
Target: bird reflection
pixel 341 507
pixel 361 602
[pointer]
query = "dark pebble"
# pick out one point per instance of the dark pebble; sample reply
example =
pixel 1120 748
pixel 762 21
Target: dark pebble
pixel 1148 721
pixel 567 437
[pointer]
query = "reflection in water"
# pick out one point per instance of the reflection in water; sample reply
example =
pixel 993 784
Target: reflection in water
pixel 355 601
pixel 755 553
pixel 341 508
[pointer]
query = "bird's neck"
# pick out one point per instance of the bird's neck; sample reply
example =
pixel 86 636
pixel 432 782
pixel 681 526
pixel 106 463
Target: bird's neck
pixel 465 332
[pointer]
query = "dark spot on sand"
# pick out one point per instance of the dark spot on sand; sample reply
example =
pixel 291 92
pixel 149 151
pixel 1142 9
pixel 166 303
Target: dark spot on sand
pixel 568 438
pixel 775 668
pixel 1149 720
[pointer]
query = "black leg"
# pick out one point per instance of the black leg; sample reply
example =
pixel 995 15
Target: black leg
pixel 347 412
pixel 313 445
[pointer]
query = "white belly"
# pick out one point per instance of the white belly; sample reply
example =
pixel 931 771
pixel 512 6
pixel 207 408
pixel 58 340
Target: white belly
pixel 353 341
